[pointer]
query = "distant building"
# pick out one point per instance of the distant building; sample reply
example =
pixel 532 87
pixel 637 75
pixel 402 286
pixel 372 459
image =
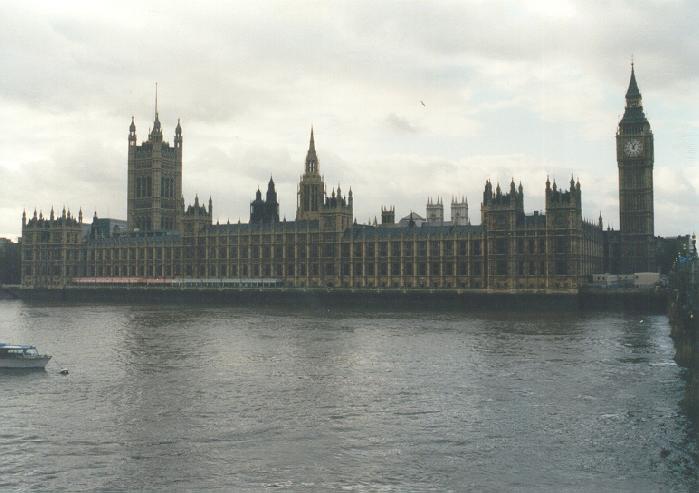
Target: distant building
pixel 435 212
pixel 9 262
pixel 511 250
pixel 459 212
pixel 412 220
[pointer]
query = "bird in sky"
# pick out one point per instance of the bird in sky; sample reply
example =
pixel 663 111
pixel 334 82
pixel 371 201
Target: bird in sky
pixel 423 103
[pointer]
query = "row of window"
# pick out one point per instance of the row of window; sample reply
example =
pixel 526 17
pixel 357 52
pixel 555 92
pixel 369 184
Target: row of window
pixel 56 237
pixel 144 187
pixel 561 245
pixel 521 268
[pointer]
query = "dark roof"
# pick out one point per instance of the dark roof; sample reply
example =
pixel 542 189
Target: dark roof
pixel 632 92
pixel 277 227
pixel 383 232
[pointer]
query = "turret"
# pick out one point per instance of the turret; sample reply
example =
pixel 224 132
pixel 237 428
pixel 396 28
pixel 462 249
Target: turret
pixel 435 212
pixel 178 135
pixel 271 191
pixel 388 215
pixel 459 211
pixel 487 192
pixel 265 211
pixel 132 133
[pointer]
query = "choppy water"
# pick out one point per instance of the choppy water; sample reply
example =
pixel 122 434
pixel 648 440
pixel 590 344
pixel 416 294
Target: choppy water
pixel 163 398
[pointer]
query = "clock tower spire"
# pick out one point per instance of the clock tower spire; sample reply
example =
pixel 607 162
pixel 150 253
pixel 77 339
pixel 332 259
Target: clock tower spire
pixel 634 145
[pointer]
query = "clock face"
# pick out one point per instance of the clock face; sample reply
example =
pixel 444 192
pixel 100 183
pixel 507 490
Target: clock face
pixel 633 148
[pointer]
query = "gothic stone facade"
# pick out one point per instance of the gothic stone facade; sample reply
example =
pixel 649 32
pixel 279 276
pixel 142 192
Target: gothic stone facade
pixel 555 249
pixel 510 250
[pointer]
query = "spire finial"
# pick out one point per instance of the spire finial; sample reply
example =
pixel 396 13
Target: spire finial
pixel 156 100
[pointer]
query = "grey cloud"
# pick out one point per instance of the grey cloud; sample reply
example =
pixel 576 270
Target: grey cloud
pixel 267 71
pixel 400 124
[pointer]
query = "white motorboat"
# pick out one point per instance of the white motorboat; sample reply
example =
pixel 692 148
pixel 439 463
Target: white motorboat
pixel 21 356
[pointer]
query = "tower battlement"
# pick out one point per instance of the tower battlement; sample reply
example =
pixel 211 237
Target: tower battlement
pixel 38 221
pixel 514 198
pixel 558 197
pixel 196 217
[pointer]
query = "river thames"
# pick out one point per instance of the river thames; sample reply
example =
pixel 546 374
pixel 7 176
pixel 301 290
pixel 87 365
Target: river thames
pixel 203 398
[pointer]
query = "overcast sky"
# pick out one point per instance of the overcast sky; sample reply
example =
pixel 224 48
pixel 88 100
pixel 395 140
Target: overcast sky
pixel 510 89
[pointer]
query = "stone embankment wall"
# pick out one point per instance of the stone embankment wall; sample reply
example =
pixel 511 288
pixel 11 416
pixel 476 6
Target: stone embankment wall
pixel 684 317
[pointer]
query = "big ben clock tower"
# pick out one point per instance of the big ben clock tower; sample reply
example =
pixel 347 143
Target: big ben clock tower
pixel 634 151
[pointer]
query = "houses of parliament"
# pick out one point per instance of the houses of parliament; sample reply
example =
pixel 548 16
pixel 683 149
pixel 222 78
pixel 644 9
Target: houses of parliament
pixel 324 247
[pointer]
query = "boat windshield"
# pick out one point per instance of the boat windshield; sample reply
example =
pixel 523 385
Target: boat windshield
pixel 31 352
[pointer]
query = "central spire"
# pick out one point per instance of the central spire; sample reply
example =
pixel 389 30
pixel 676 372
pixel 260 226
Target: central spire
pixel 311 157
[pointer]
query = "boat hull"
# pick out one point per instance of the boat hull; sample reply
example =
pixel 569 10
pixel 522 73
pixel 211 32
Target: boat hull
pixel 39 362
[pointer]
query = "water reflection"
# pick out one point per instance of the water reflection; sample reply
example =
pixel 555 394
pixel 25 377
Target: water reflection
pixel 215 397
